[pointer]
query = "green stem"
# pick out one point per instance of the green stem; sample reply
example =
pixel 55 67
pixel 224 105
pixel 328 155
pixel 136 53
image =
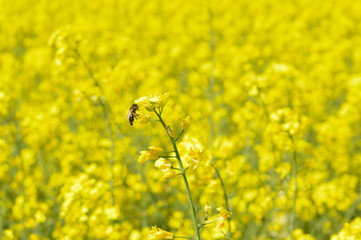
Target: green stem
pixel 111 160
pixel 167 156
pixel 211 80
pixel 294 176
pixel 106 112
pixel 191 204
pixel 206 223
pixel 225 198
pixel 183 237
pixel 168 151
pixel 180 135
pixel 19 146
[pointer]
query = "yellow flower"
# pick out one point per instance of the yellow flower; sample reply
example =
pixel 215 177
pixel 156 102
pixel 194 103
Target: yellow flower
pixel 152 154
pixel 283 169
pixel 168 172
pixel 143 118
pixel 8 234
pixel 223 215
pixel 351 230
pixel 300 235
pixel 159 100
pixel 195 157
pixel 158 233
pixel 185 123
pixel 162 164
pixel 165 167
pixel 144 102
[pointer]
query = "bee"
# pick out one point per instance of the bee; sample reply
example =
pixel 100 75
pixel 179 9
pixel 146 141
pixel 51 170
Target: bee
pixel 132 114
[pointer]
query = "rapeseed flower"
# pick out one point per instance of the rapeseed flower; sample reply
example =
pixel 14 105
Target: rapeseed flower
pixel 273 93
pixel 157 233
pixel 165 167
pixel 152 154
pixel 351 230
pixel 157 101
pixel 195 156
pixel 185 123
pixel 222 216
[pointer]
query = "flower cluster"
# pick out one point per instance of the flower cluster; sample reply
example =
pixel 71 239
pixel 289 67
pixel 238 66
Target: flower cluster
pixel 155 104
pixel 351 230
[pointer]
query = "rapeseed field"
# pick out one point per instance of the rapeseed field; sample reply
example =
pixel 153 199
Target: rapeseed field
pixel 180 119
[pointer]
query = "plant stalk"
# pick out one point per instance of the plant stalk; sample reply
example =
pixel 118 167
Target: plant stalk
pixel 294 175
pixel 183 173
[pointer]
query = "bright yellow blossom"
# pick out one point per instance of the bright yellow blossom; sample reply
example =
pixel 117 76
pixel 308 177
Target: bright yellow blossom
pixel 165 167
pixel 351 230
pixel 144 103
pixel 168 172
pixel 162 164
pixel 195 156
pixel 157 233
pixel 152 154
pixel 157 101
pixel 298 234
pixel 185 123
pixel 8 235
pixel 223 215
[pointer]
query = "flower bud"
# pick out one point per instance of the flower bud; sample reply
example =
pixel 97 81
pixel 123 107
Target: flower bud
pixel 185 123
pixel 171 132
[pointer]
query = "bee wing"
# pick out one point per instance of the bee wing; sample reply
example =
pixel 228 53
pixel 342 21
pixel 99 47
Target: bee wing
pixel 129 115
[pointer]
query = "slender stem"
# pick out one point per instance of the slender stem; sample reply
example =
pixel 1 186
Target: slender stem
pixel 191 204
pixel 106 112
pixel 19 146
pixel 180 135
pixel 86 65
pixel 168 156
pixel 211 79
pixel 225 198
pixel 169 151
pixel 294 176
pixel 206 223
pixel 111 160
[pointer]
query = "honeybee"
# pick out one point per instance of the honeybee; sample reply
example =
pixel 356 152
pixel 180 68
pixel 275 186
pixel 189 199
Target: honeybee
pixel 132 114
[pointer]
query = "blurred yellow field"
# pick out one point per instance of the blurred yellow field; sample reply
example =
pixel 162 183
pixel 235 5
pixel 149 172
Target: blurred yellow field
pixel 180 119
